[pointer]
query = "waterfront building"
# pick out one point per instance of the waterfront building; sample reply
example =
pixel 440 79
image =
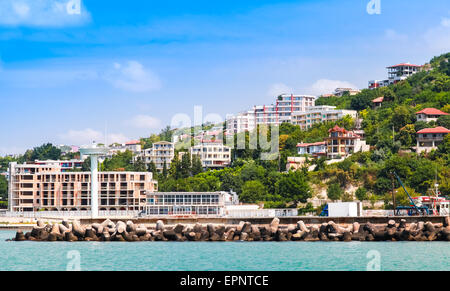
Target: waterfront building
pixel 429 114
pixel 189 203
pixel 313 149
pixel 161 152
pixel 212 153
pixel 342 143
pixel 430 138
pixel 66 165
pixel 316 114
pixel 46 187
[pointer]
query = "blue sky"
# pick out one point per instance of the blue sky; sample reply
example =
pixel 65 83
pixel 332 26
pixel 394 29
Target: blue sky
pixel 131 66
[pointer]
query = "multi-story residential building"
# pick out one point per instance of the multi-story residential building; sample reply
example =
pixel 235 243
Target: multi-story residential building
pixel 342 143
pixel 373 84
pixel 317 114
pixel 396 73
pixel 266 114
pixel 241 122
pixel 430 138
pixel 313 149
pixel 287 104
pixel 66 165
pixel 161 152
pixel 46 187
pixel 212 153
pixel 401 71
pixel 134 146
pixel 339 92
pixel 429 114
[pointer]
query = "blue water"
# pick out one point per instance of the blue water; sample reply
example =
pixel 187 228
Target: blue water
pixel 222 256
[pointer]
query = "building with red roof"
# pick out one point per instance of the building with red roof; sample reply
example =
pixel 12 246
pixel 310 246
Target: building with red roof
pixel 377 102
pixel 429 114
pixel 429 139
pixel 396 73
pixel 342 143
pixel 314 149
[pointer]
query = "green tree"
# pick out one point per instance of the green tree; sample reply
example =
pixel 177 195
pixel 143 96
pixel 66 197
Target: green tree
pixel 197 166
pixel 294 186
pixel 444 121
pixel 334 192
pixel 361 194
pixel 3 188
pixel 253 191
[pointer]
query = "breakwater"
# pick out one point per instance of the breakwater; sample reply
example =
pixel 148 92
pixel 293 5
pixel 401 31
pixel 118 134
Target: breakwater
pixel 244 231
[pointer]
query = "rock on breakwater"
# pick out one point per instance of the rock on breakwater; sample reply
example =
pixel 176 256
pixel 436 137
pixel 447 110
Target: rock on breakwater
pixel 244 231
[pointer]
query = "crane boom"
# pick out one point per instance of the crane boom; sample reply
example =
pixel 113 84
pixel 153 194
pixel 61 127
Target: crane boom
pixel 410 198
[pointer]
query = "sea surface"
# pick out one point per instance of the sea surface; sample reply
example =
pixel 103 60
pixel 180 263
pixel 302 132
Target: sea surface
pixel 222 256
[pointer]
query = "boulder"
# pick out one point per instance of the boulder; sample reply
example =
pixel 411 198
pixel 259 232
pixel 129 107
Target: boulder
pixel 274 225
pixel 301 226
pixel 20 236
pixel 159 225
pixel 247 227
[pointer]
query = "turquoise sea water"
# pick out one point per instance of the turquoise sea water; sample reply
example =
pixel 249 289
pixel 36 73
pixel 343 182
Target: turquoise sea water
pixel 222 256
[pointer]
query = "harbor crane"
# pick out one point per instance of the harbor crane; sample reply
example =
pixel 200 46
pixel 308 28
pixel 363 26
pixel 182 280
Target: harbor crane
pixel 412 209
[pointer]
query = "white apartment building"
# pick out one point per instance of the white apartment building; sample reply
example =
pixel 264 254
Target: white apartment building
pixel 401 71
pixel 161 152
pixel 287 104
pixel 317 114
pixel 396 73
pixel 212 153
pixel 242 122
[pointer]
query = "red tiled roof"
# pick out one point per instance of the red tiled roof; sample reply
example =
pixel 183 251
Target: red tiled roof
pixel 378 100
pixel 310 144
pixel 432 111
pixel 337 128
pixel 404 64
pixel 132 142
pixel 439 129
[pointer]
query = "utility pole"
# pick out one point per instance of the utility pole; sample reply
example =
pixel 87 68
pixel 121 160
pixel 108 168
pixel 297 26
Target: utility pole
pixel 393 193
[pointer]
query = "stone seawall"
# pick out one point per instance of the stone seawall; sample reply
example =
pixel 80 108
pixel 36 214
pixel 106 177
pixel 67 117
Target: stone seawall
pixel 392 230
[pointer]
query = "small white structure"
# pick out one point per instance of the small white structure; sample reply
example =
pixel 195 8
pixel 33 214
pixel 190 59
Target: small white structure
pixel 94 152
pixel 345 209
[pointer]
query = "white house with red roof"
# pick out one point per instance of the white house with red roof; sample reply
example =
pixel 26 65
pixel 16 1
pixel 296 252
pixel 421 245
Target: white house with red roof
pixel 429 114
pixel 313 149
pixel 396 73
pixel 429 139
pixel 377 102
pixel 401 71
pixel 134 146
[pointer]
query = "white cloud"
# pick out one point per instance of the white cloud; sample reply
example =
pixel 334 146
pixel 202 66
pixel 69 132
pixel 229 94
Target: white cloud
pixel 43 13
pixel 325 86
pixel 144 121
pixel 278 89
pixel 134 77
pixel 394 35
pixel 89 135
